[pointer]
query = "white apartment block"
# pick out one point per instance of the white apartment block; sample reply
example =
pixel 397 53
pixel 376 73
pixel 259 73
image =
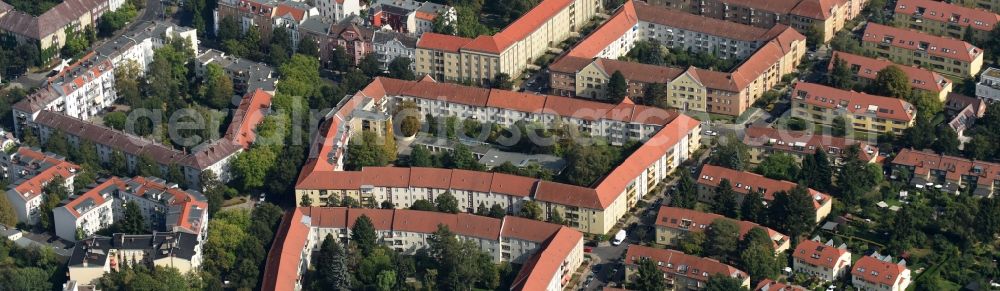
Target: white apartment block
pixel 84 215
pixel 819 260
pixel 337 10
pixel 30 171
pixel 390 45
pixel 988 87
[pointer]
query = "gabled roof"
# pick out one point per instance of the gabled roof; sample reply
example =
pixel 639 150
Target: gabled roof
pixel 949 13
pixel 706 25
pixel 607 33
pixel 952 167
pixel 868 68
pixel 816 253
pixel 696 221
pixel 42 168
pixel 771 285
pixel 854 102
pixel 442 42
pixel 871 269
pixel 804 142
pixel 680 264
pixel 913 40
pixel 744 182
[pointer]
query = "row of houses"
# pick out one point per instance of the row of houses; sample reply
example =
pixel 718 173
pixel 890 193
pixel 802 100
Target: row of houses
pixel 549 253
pixel 49 29
pixel 767 54
pixel 669 139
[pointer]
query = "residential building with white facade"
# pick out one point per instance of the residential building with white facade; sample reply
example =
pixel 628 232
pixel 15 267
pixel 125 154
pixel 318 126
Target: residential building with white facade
pixel 988 87
pixel 550 253
pixel 821 260
pixel 29 171
pixel 337 10
pixel 878 272
pixel 389 45
pixel 409 16
pixel 83 215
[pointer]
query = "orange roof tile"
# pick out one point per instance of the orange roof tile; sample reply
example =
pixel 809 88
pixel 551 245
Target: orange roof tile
pixel 680 264
pixel 868 68
pixel 949 13
pixel 697 221
pixel 817 254
pixel 803 142
pixel 545 264
pixel 712 175
pixel 248 115
pixel 442 42
pixel 954 168
pixel 870 269
pixel 771 285
pixel 913 40
pixel 854 102
pixel 607 33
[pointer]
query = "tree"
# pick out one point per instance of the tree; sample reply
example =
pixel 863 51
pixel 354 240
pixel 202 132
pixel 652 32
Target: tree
pixel 441 25
pixel 386 280
pixel 497 211
pixel 29 278
pixel 115 120
pixel 308 46
pixel 57 143
pixel 854 179
pixel 530 209
pixel 758 257
pixel 363 234
pixel 817 171
pixel 686 195
pixel 617 87
pixel 947 141
pixel 722 282
pixel 556 218
pixel 779 166
pixel 409 126
pixel 218 89
pixel 252 166
pixel 331 265
pixel 423 205
pixel 892 82
pixel 649 277
pixel 481 210
pixel 148 167
pixel 366 150
pixel 731 153
pixel 814 36
pixel 840 75
pixel 721 240
pixel 370 65
pixel 792 212
pixel 585 164
pixel 691 243
pixel 339 60
pixel 502 81
pixel 839 126
pixel 462 158
pixel 446 203
pixel 725 200
pixel 752 208
pixel 7 215
pixel 229 29
pixel 117 164
pixel 29 137
pixel 133 222
pixel 399 68
pixel 127 83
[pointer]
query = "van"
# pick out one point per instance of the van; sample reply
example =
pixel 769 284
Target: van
pixel 619 237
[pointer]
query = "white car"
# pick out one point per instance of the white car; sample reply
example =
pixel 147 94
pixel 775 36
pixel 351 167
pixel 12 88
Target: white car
pixel 831 288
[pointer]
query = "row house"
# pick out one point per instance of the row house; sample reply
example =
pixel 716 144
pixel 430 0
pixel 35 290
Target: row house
pixel 29 172
pixel 944 19
pixel 826 17
pixel 864 112
pixel 955 174
pixel 764 142
pixel 164 206
pixel 769 54
pixel 96 256
pixel 877 272
pixel 680 271
pixel 746 182
pixel 511 239
pixel 510 51
pixel 669 139
pixel 945 55
pixel 866 70
pixel 674 223
pixel 48 30
pixel 821 260
pixel 410 16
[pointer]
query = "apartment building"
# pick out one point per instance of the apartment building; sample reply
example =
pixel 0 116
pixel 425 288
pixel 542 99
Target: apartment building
pixel 247 75
pixel 771 285
pixel 510 51
pixel 48 30
pixel 992 5
pixel 349 35
pixel 877 272
pixel 770 53
pixel 945 19
pixel 669 139
pixel 98 255
pixel 164 206
pixel 765 141
pixel 86 87
pixel 335 10
pixel 821 260
pixel 827 17
pixel 389 45
pixel 549 253
pixel 409 16
pixel 673 223
pixel 680 271
pixel 745 182
pixel 944 55
pixel 988 87
pixel 863 112
pixel 954 174
pixel 267 15
pixel 29 171
pixel 866 70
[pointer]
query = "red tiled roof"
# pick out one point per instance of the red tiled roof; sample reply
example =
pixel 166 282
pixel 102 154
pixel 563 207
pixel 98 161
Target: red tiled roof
pixel 854 102
pixel 607 33
pixel 528 229
pixel 767 55
pixel 250 113
pixel 544 265
pixel 949 13
pixel 94 195
pixel 513 185
pixel 639 72
pixel 430 178
pixel 913 40
pixel 868 68
pixel 281 270
pixel 32 186
pixel 870 269
pixel 294 12
pixel 697 221
pixel 817 254
pixel 953 167
pixel 712 175
pixel 386 176
pixel 771 285
pixel 381 218
pixel 442 42
pixel 687 21
pixel 471 180
pixel 803 142
pixel 677 263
